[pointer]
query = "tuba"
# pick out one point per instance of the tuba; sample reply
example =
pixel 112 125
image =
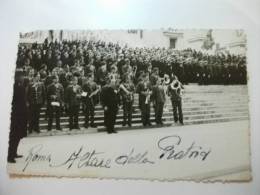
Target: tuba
pixel 176 86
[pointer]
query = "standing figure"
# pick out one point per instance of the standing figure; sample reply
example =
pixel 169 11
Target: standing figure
pixel 89 91
pixel 36 99
pixel 102 74
pixel 144 90
pixel 114 76
pixel 55 99
pixel 175 93
pixel 18 116
pixel 158 97
pixel 110 101
pixel 72 99
pixel 127 90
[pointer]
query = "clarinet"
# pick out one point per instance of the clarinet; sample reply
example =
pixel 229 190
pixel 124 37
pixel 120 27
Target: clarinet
pixel 147 99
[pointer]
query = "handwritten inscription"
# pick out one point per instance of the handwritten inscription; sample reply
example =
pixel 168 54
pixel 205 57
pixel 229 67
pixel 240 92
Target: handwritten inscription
pixel 170 148
pixel 35 156
pixel 132 158
pixel 85 159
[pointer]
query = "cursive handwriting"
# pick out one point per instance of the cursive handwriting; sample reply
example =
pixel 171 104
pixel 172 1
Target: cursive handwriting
pixel 133 158
pixel 171 149
pixel 35 156
pixel 85 159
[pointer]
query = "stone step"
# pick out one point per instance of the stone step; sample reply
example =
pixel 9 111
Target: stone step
pixel 203 98
pixel 201 104
pixel 65 131
pixel 185 110
pixel 119 127
pixel 171 123
pixel 169 112
pixel 185 105
pixel 100 122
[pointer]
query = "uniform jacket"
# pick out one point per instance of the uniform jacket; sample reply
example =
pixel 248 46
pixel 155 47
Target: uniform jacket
pixel 158 94
pixel 89 87
pixel 129 87
pixel 19 111
pixel 55 93
pixel 36 93
pixel 73 95
pixel 142 89
pixel 109 97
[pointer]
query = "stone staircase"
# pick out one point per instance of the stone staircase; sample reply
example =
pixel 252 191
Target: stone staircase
pixel 201 104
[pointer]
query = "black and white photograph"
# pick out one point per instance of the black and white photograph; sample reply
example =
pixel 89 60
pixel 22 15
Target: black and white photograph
pixel 129 97
pixel 120 104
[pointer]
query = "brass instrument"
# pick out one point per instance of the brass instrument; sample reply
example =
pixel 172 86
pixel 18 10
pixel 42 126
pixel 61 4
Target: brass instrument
pixel 128 93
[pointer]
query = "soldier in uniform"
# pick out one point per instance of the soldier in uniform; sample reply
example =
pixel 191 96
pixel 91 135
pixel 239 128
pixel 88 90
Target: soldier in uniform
pixel 102 73
pixel 18 127
pixel 127 90
pixel 154 76
pixel 110 101
pixel 144 90
pixel 73 99
pixel 158 96
pixel 90 90
pixel 36 99
pixel 55 98
pixel 174 91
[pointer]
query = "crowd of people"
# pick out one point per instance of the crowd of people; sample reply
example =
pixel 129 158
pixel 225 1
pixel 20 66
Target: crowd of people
pixel 71 75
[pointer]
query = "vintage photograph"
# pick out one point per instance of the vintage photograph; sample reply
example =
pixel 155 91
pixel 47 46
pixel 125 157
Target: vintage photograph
pixel 167 104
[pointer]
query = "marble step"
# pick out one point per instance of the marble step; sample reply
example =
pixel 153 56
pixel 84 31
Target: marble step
pixel 169 112
pixel 187 119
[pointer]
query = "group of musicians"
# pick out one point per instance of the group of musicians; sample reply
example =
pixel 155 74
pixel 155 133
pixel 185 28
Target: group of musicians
pixel 80 90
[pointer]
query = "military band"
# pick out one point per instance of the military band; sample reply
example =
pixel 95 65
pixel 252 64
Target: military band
pixel 72 76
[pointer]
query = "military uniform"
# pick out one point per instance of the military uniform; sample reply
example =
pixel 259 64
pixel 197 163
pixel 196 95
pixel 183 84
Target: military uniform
pixel 127 92
pixel 101 75
pixel 174 91
pixel 158 96
pixel 144 90
pixel 90 91
pixel 36 99
pixel 110 100
pixel 18 127
pixel 55 98
pixel 73 99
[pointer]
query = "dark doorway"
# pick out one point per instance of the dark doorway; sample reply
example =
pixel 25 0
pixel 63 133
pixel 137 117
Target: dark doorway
pixel 173 42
